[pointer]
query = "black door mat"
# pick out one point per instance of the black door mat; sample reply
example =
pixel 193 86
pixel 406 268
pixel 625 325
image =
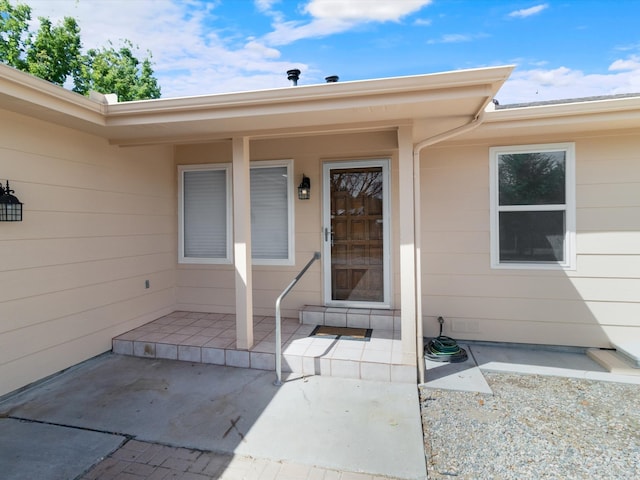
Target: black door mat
pixel 342 333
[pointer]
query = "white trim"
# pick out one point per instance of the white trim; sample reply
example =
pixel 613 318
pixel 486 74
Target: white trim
pixel 385 163
pixel 290 260
pixel 228 259
pixel 569 207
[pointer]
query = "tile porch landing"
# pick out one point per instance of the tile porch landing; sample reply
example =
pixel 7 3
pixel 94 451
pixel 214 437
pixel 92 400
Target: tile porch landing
pixel 210 338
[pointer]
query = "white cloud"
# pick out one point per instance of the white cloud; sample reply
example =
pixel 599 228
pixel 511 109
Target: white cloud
pixel 336 16
pixel 193 58
pixel 457 38
pixel 559 83
pixel 423 22
pixel 364 10
pixel 189 57
pixel 631 63
pixel 265 5
pixel 527 12
pixel 452 38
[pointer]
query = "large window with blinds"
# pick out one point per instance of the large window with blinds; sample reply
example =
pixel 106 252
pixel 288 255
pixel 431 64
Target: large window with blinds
pixel 205 213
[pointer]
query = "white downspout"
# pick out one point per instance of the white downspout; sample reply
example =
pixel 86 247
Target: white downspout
pixel 417 148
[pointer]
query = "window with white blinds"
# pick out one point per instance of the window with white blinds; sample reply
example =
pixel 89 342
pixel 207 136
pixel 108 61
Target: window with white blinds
pixel 205 231
pixel 270 198
pixel 205 213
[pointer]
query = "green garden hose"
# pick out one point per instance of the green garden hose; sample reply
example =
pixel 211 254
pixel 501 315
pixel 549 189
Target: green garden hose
pixel 444 349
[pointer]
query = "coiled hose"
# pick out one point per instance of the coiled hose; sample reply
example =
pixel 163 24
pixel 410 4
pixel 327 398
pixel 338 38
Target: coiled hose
pixel 444 349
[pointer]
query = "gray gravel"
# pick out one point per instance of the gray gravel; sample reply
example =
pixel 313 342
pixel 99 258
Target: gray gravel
pixel 533 427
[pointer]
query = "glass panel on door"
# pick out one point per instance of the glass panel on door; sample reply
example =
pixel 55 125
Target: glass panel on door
pixel 357 234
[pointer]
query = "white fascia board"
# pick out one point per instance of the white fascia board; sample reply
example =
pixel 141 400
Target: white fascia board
pixel 34 95
pixel 346 91
pixel 595 108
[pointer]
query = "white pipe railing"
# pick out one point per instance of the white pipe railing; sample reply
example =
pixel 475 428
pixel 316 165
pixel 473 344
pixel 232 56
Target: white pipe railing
pixel 278 382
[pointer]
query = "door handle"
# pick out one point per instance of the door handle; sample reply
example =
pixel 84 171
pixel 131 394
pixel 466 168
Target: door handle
pixel 328 234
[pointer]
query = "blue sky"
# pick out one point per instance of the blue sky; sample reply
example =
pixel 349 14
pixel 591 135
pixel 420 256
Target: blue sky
pixel 561 48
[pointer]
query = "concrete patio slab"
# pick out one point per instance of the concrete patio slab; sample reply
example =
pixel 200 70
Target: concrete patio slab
pixel 464 376
pixel 351 425
pixel 31 451
pixel 631 351
pixel 544 361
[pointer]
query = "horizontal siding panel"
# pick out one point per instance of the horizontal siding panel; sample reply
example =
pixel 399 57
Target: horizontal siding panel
pixel 17 372
pixel 457 176
pixel 544 311
pixel 458 242
pixel 277 281
pixel 58 251
pixel 589 335
pixel 308 242
pixel 64 199
pixel 608 219
pixel 593 148
pixel 27 340
pixel 462 221
pixel 45 280
pixel 609 243
pixel 589 266
pixel 548 287
pixel 608 289
pixel 205 277
pixel 262 278
pixel 108 170
pixel 203 297
pixel 69 225
pixel 41 309
pixel 608 266
pixel 456 263
pixel 453 196
pixel 618 170
pixel 611 195
pixel 499 286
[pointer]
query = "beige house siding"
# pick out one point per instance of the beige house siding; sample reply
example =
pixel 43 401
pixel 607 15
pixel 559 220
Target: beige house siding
pixel 99 220
pixel 211 288
pixel 591 306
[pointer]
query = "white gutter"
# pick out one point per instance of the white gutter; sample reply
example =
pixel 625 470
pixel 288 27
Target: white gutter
pixel 417 148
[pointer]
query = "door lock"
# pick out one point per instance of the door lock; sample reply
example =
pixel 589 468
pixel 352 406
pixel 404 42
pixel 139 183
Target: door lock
pixel 328 234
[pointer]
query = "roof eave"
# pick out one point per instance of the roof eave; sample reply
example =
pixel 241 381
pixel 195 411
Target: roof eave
pixel 249 113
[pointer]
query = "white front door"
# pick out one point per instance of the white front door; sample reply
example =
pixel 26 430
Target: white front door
pixel 356 233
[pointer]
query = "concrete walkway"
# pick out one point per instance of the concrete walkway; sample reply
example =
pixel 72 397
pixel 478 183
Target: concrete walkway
pixel 156 419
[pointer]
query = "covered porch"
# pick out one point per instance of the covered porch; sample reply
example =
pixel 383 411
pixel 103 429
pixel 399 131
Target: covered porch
pixel 210 338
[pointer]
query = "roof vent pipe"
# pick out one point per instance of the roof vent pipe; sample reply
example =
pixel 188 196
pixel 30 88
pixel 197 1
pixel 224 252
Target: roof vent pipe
pixel 293 75
pixel 332 78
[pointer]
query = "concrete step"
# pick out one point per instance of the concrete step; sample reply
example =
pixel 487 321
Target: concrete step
pixel 630 351
pixel 376 319
pixel 613 361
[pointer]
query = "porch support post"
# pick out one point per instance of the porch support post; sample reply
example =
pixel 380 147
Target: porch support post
pixel 242 242
pixel 409 294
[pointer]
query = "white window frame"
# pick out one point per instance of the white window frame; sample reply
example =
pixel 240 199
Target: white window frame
pixel 569 207
pixel 290 260
pixel 228 258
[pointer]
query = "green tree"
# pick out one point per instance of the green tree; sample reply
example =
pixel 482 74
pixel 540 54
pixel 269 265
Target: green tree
pixel 54 53
pixel 532 178
pixel 108 70
pixel 15 37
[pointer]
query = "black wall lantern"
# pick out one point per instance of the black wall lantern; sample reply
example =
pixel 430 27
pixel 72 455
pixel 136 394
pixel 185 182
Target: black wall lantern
pixel 304 189
pixel 10 206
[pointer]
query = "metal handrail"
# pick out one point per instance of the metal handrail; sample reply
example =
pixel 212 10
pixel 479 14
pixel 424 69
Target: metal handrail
pixel 278 382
